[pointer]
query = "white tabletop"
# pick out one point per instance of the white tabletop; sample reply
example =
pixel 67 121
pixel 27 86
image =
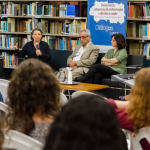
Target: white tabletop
pixel 129 82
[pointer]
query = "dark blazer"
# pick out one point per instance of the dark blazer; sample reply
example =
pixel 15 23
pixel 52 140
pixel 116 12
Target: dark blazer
pixel 29 50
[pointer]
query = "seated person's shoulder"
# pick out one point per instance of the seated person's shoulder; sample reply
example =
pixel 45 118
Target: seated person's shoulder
pixel 123 51
pixel 94 46
pixel 78 46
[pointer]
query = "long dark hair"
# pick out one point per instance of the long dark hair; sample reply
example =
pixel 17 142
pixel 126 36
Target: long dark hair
pixel 87 122
pixel 121 42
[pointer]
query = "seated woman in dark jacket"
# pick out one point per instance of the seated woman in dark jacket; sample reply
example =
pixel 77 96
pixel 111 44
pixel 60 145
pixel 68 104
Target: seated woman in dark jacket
pixel 114 62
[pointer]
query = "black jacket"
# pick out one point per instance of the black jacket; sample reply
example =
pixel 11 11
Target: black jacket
pixel 29 50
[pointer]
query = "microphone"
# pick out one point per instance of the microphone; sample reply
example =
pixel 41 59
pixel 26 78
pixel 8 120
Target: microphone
pixel 37 45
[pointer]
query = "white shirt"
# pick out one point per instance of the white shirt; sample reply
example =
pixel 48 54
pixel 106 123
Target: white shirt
pixel 80 52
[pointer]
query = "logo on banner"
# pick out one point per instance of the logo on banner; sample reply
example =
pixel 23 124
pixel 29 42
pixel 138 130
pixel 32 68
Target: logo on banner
pixel 102 27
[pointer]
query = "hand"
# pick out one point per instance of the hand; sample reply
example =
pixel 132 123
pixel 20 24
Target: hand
pixel 104 59
pixel 116 64
pixel 38 53
pixel 74 67
pixel 15 46
pixel 127 97
pixel 72 63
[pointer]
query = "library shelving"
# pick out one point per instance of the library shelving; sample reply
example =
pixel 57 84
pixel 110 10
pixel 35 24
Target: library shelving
pixel 138 27
pixel 59 20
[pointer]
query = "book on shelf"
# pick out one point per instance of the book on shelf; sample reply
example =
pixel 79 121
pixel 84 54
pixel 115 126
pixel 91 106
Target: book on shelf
pixel 33 15
pixel 55 43
pixel 136 48
pixel 39 9
pixel 8 41
pixel 148 50
pixel 3 26
pixel 9 60
pixel 141 10
pixel 138 29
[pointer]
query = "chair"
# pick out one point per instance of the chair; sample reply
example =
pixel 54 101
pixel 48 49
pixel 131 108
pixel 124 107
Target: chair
pixel 128 138
pixel 135 140
pixel 63 99
pixel 4 107
pixel 78 93
pixel 3 88
pixel 19 141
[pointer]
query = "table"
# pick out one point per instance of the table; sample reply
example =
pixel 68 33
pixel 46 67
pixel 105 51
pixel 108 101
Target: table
pixel 83 87
pixel 127 82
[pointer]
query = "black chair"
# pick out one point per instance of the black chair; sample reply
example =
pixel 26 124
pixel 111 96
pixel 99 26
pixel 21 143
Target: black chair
pixel 59 59
pixel 116 88
pixel 134 63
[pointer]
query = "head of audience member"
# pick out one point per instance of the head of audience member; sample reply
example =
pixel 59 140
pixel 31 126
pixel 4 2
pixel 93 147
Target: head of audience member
pixel 33 92
pixel 118 41
pixel 36 35
pixel 85 37
pixel 87 122
pixel 139 106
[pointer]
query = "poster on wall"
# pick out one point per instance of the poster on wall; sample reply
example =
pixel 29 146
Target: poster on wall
pixel 104 18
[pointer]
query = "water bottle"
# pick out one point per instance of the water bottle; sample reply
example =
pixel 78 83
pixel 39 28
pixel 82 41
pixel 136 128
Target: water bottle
pixel 69 77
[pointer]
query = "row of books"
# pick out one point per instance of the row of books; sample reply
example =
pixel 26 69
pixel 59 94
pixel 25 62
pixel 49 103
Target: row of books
pixel 64 43
pixel 67 27
pixel 139 49
pixel 38 8
pixel 8 41
pixel 141 10
pixel 138 29
pixel 136 48
pixel 147 50
pixel 9 60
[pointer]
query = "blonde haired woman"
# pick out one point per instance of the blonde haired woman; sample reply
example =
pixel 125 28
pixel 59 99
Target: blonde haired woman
pixel 135 113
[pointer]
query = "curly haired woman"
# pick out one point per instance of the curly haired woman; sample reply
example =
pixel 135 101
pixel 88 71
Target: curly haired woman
pixel 34 96
pixel 135 113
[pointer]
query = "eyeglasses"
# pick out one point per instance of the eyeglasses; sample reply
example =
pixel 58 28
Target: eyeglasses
pixel 83 37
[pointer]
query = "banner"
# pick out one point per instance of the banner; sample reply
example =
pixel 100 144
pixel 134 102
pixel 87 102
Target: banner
pixel 104 18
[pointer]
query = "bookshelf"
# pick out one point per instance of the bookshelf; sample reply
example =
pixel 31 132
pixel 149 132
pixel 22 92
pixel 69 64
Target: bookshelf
pixel 138 27
pixel 59 21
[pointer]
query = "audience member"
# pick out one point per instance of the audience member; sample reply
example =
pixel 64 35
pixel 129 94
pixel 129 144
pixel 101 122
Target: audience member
pixel 34 95
pixel 83 56
pixel 1 136
pixel 114 62
pixel 87 122
pixel 35 48
pixel 135 113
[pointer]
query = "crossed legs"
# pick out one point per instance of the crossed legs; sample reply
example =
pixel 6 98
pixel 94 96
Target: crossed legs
pixel 97 72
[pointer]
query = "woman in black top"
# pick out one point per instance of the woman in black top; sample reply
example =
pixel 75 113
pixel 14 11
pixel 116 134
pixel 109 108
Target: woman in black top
pixel 35 48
